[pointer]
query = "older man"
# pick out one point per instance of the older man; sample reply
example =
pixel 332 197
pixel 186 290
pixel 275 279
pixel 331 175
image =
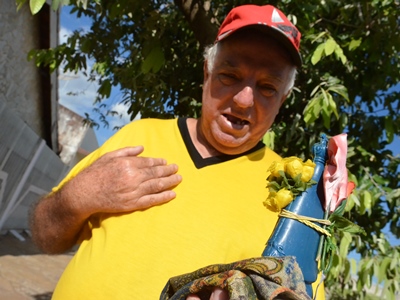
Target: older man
pixel 116 202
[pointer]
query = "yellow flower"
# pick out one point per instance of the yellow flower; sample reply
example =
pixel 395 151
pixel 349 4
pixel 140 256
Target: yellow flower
pixel 277 201
pixel 308 170
pixel 276 167
pixel 309 163
pixel 307 173
pixel 283 197
pixel 294 166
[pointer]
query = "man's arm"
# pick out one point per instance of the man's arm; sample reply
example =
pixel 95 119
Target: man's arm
pixel 119 181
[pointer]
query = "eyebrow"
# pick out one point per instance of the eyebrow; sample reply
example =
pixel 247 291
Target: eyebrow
pixel 276 75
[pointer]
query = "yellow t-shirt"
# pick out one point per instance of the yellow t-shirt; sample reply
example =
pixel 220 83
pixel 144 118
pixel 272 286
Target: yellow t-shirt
pixel 217 217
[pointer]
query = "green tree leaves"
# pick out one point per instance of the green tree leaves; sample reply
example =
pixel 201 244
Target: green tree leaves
pixel 322 101
pixel 36 5
pixel 327 48
pixel 153 61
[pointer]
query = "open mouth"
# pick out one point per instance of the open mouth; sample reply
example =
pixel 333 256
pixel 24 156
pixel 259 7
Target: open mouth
pixel 235 120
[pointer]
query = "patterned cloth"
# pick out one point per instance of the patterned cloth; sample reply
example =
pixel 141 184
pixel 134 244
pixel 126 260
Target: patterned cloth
pixel 261 278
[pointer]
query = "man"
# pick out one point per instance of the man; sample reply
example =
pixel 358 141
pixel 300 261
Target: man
pixel 117 205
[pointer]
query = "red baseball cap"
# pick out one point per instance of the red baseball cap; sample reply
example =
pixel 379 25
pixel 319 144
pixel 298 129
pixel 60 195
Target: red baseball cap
pixel 269 17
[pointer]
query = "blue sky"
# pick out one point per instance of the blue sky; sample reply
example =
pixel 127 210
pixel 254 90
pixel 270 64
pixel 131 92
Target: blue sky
pixel 84 92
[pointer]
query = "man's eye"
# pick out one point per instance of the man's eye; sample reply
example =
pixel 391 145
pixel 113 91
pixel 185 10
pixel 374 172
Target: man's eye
pixel 228 78
pixel 267 90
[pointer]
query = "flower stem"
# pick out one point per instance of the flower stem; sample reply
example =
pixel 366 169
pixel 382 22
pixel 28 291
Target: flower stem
pixel 322 238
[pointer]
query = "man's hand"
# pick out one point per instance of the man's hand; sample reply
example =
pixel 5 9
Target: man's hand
pixel 117 182
pixel 217 294
pixel 120 181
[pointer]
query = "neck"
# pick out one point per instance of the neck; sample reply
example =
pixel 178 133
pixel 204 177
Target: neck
pixel 198 139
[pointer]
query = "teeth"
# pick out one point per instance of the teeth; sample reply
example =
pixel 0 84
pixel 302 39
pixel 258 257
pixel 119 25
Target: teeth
pixel 236 121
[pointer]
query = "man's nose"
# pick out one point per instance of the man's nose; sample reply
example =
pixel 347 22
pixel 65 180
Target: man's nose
pixel 245 97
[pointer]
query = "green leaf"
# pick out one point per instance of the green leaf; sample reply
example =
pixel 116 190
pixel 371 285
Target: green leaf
pixel 36 5
pixel 332 105
pixel 340 90
pixel 100 68
pixel 354 44
pixel 340 209
pixel 316 57
pixel 382 247
pixel 154 61
pixel 345 225
pixel 83 3
pixel 339 54
pixel 105 89
pixel 353 264
pixel 274 185
pixel 383 267
pixel 269 139
pixel 344 245
pixel 394 263
pixel 330 46
pixel 366 200
pixel 55 4
pixel 320 35
pixel 86 46
pixel 20 3
pixel 389 129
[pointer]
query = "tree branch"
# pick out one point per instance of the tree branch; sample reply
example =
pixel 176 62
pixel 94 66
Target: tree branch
pixel 200 18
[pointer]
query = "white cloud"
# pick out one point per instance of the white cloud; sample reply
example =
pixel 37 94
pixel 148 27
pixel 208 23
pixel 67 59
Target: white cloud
pixel 123 119
pixel 76 93
pixel 63 34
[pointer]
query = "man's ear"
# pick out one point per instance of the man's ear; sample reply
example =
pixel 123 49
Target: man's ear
pixel 205 70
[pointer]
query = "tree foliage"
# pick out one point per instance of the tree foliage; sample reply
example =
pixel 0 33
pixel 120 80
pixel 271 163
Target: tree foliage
pixel 152 51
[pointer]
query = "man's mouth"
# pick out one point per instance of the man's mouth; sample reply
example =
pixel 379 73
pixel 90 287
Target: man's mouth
pixel 235 120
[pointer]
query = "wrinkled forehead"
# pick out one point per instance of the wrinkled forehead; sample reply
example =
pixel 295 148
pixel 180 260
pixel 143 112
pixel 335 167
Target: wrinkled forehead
pixel 254 40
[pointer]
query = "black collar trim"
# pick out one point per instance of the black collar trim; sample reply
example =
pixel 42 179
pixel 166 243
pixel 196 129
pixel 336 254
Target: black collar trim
pixel 201 162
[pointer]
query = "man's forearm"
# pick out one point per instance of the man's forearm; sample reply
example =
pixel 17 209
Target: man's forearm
pixel 54 223
pixel 118 182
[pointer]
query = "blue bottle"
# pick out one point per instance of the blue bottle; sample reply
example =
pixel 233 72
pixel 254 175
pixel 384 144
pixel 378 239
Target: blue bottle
pixel 293 238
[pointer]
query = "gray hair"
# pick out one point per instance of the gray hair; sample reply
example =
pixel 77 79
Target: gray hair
pixel 210 52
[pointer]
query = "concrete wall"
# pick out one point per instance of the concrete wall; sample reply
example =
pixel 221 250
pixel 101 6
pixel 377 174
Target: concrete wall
pixel 28 91
pixel 29 164
pixel 19 79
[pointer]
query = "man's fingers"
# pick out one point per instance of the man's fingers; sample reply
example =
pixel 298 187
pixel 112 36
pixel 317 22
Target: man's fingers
pixel 131 154
pixel 219 294
pixel 127 151
pixel 192 297
pixel 148 201
pixel 161 171
pixel 160 184
pixel 155 191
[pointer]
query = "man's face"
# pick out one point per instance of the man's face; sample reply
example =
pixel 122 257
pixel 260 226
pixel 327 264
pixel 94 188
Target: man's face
pixel 243 92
